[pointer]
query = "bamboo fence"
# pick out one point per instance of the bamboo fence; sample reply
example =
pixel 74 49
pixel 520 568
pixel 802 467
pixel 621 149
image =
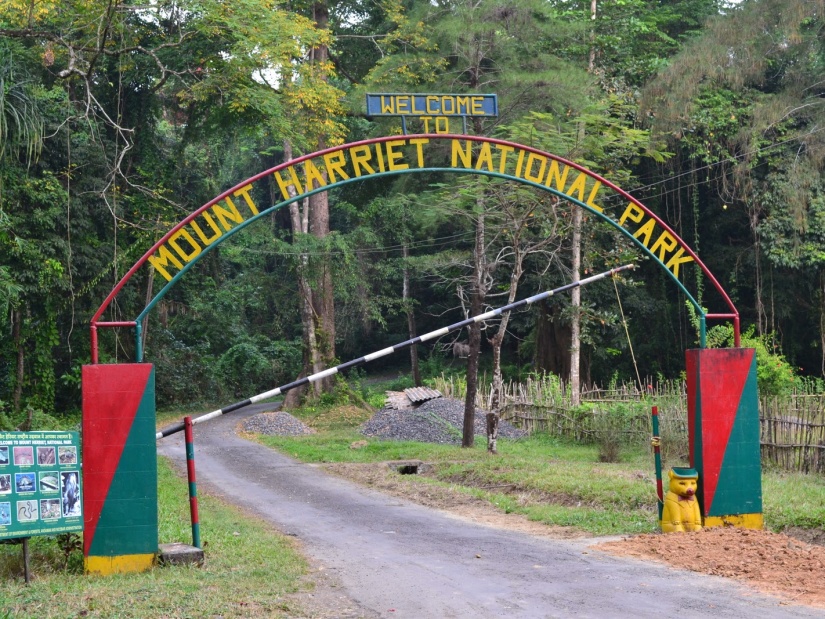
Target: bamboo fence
pixel 792 426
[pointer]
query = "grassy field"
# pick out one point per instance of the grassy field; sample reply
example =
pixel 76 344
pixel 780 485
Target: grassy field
pixel 249 571
pixel 544 478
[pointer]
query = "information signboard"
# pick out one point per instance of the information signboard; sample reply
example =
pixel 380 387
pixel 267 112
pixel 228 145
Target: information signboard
pixel 40 483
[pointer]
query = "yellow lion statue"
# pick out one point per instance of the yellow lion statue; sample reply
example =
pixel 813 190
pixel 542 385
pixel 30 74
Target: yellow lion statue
pixel 681 509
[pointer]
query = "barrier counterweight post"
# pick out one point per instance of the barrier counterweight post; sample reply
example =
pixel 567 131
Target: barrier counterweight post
pixel 193 486
pixel 656 442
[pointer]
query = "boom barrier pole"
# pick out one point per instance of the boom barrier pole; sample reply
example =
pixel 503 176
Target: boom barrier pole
pixel 177 427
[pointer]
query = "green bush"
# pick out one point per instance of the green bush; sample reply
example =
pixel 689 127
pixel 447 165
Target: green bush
pixel 774 375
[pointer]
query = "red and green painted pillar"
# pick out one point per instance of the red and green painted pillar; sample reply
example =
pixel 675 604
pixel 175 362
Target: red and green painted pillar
pixel 120 494
pixel 723 428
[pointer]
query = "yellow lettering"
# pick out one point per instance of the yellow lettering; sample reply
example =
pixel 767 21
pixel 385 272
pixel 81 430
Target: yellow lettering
pixel 416 111
pixel 485 157
pixel 444 106
pixel 462 103
pixel 478 107
pixel 359 155
pixel 419 149
pixel 646 231
pixel 633 213
pixel 519 162
pixel 335 162
pixel 393 155
pixel 442 124
pixel 244 191
pixel 402 104
pixel 503 161
pixel 379 154
pixel 536 178
pixel 162 260
pixel 313 175
pixel 232 214
pixel 578 185
pixel 432 109
pixel 676 260
pixel 183 232
pixel 387 106
pixel 285 185
pixel 465 155
pixel 555 175
pixel 593 193
pixel 426 120
pixel 665 243
pixel 218 232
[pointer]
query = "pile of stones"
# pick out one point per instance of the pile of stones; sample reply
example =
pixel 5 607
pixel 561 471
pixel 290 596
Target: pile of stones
pixel 436 421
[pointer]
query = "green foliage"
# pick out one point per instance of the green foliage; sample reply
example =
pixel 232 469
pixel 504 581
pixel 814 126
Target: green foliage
pixel 774 375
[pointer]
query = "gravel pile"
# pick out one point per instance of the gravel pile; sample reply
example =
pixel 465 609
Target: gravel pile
pixel 436 421
pixel 276 424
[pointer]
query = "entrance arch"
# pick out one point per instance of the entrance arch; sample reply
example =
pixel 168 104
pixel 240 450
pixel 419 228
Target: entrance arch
pixel 120 470
pixel 220 218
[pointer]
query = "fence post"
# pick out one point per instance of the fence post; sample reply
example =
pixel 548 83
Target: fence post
pixel 193 486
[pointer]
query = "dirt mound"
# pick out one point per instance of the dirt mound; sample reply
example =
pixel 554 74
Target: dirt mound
pixel 771 562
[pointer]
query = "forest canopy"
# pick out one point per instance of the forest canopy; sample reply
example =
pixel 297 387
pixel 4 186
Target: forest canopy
pixel 119 119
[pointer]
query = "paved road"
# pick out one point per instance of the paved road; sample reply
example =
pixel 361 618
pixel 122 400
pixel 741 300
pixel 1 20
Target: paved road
pixel 398 559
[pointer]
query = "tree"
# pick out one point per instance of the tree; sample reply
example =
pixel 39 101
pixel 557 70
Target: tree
pixel 743 102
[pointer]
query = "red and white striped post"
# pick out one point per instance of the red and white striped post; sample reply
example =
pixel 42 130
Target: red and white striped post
pixel 193 486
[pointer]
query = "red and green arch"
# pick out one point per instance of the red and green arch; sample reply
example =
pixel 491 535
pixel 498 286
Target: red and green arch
pixel 219 219
pixel 108 544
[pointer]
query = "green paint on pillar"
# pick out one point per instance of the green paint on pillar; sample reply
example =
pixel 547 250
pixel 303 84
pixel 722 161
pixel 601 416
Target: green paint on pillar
pixel 128 523
pixel 739 490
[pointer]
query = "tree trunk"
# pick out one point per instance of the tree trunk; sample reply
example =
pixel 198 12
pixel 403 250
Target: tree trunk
pixel 591 60
pixel 311 357
pixel 552 342
pixel 323 297
pixel 477 296
pixel 405 295
pixel 497 340
pixel 17 321
pixel 575 302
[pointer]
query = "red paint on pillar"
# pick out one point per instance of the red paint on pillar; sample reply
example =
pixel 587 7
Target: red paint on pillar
pixel 111 397
pixel 723 378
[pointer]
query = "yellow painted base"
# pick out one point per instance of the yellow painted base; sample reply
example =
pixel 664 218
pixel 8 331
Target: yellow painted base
pixel 743 521
pixel 104 566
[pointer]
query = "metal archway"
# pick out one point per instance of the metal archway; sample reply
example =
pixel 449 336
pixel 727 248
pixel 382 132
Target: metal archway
pixel 186 243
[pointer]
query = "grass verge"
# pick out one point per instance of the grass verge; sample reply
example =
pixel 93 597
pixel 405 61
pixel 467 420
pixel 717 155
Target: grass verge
pixel 544 478
pixel 249 571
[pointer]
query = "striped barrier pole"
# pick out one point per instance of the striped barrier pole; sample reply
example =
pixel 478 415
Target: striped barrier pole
pixel 656 441
pixel 193 486
pixel 177 427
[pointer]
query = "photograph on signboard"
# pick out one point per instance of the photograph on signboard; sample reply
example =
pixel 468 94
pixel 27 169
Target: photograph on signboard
pixel 5 483
pixel 5 514
pixel 67 455
pixel 24 482
pixel 26 511
pixel 23 456
pixel 46 455
pixel 4 455
pixel 50 509
pixel 49 482
pixel 70 493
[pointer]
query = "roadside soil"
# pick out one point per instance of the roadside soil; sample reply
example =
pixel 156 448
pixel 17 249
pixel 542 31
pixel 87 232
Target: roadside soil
pixel 789 566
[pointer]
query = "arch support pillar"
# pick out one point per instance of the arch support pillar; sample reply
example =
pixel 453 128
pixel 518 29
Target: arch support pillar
pixel 723 431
